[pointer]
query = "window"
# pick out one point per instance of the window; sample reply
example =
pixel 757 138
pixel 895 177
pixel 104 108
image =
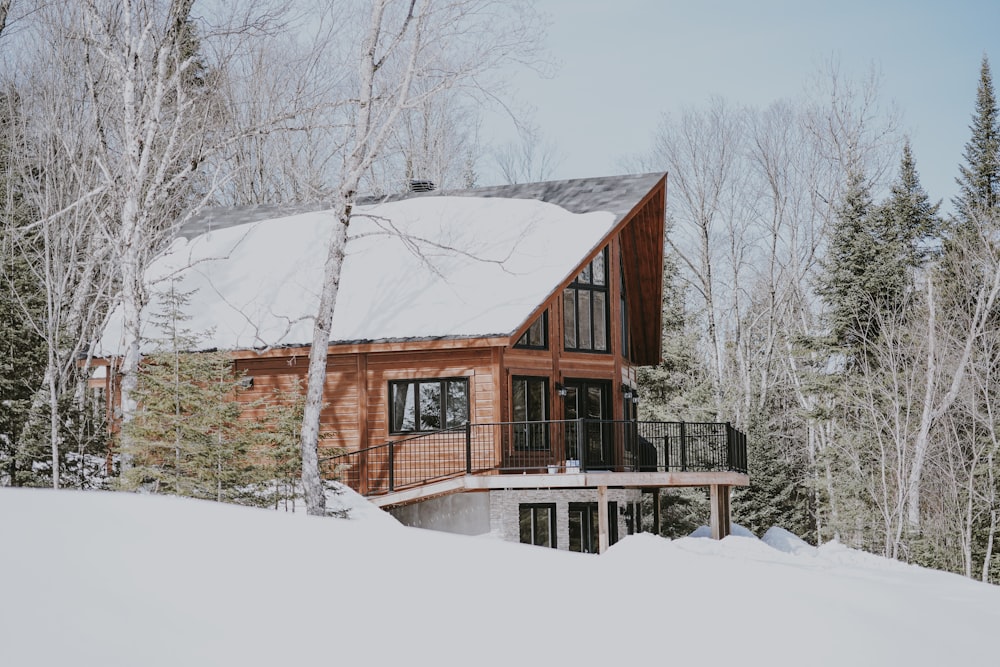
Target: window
pixel 537 335
pixel 585 308
pixel 428 405
pixel 584 534
pixel 626 333
pixel 538 524
pixel 530 405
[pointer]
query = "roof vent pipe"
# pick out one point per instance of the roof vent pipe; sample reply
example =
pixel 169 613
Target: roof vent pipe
pixel 422 185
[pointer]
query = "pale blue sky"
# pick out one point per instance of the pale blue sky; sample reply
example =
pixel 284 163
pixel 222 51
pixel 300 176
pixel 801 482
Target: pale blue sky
pixel 623 63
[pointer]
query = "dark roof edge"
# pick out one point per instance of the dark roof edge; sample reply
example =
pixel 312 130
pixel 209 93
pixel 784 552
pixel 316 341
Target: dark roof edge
pixel 615 194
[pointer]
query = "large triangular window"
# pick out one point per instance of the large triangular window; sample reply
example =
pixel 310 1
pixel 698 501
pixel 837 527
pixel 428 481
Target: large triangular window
pixel 585 308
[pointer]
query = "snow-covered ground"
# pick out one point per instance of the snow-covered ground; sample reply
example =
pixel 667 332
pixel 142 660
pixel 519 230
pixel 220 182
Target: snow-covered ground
pixel 120 579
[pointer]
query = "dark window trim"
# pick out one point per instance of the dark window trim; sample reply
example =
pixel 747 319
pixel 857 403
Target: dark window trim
pixel 626 325
pixel 544 319
pixel 539 440
pixel 532 508
pixel 391 411
pixel 589 523
pixel 590 287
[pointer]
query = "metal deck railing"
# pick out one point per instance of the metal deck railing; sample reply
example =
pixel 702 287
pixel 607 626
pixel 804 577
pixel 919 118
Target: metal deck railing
pixel 553 447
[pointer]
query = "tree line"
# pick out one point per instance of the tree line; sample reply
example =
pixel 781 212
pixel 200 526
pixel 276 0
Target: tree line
pixel 817 297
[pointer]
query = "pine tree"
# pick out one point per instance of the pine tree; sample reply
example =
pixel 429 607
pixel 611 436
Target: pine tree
pixel 777 495
pixel 22 361
pixel 187 437
pixel 874 252
pixel 22 299
pixel 678 388
pixel 910 222
pixel 979 177
pixel 279 445
pixel 847 282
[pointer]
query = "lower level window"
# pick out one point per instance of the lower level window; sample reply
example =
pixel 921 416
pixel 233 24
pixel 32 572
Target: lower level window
pixel 428 405
pixel 538 524
pixel 584 535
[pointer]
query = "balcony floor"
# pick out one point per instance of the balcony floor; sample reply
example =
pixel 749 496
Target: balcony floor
pixel 562 480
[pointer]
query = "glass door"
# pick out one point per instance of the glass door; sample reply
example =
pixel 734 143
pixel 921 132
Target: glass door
pixel 589 400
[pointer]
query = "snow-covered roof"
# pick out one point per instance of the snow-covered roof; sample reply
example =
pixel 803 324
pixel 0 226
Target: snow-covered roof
pixel 467 264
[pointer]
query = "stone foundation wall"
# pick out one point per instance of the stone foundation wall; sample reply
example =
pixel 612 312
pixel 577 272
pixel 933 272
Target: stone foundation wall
pixel 504 509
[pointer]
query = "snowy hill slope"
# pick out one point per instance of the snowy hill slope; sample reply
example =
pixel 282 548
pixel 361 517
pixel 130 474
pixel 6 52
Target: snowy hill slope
pixel 119 579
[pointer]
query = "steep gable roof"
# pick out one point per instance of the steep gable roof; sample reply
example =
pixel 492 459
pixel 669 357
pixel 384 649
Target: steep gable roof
pixel 473 263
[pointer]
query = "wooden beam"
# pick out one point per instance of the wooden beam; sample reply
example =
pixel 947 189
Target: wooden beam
pixel 625 480
pixel 713 503
pixel 720 517
pixel 602 519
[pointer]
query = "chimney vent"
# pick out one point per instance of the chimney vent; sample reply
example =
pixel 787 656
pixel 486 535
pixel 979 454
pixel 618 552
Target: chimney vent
pixel 422 185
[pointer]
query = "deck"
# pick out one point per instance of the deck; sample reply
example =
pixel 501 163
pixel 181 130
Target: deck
pixel 549 454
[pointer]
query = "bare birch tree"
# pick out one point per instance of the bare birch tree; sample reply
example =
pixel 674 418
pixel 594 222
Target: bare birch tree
pixel 444 46
pixel 701 151
pixel 529 158
pixel 63 243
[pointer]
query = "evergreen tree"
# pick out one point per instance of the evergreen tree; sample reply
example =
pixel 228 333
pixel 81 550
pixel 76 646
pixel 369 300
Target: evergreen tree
pixel 22 360
pixel 777 495
pixel 279 445
pixel 22 300
pixel 979 177
pixel 874 252
pixel 678 388
pixel 848 280
pixel 187 437
pixel 910 224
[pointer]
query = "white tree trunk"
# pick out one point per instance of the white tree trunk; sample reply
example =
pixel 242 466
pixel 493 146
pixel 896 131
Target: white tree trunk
pixel 312 483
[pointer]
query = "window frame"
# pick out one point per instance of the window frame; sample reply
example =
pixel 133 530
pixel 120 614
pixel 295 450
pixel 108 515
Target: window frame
pixel 537 439
pixel 542 320
pixel 532 509
pixel 442 404
pixel 585 284
pixel 626 332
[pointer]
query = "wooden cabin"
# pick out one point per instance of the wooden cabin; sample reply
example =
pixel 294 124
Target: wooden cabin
pixel 482 365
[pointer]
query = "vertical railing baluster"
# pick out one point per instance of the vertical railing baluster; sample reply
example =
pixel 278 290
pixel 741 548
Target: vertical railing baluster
pixel 392 467
pixel 683 436
pixel 468 449
pixel 730 447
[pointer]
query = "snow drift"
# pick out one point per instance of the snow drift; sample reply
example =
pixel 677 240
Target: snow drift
pixel 120 579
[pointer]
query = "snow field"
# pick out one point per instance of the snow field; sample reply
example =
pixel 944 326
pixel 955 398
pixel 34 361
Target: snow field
pixel 123 579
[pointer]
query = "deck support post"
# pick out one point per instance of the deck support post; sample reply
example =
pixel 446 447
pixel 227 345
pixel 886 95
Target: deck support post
pixel 656 511
pixel 719 502
pixel 602 519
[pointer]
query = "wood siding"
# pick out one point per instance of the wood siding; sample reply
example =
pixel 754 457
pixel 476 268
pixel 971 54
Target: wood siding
pixel 355 414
